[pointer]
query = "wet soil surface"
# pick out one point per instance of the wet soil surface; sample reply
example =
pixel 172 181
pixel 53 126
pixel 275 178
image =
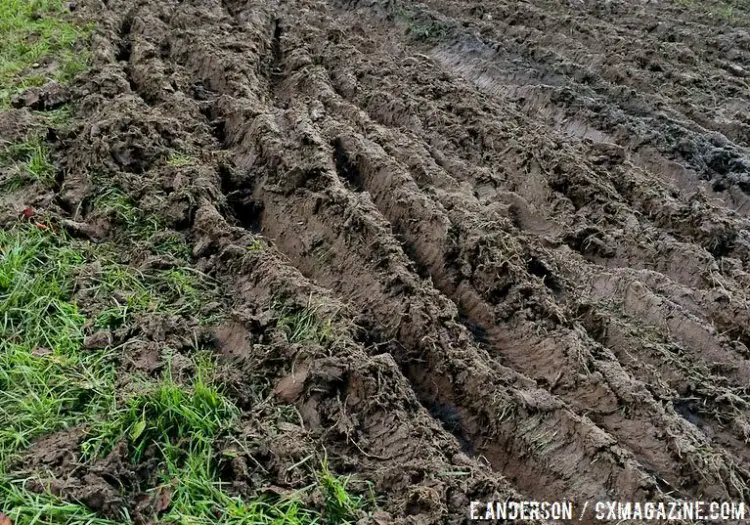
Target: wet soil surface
pixel 531 217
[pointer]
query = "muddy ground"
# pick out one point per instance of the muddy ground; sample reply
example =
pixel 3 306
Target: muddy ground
pixel 527 223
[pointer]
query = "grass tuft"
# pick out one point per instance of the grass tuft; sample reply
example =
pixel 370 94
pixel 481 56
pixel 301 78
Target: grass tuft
pixel 179 159
pixel 340 505
pixel 127 214
pixel 303 325
pixel 32 157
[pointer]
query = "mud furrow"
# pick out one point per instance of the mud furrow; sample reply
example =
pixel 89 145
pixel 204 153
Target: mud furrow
pixel 719 410
pixel 491 422
pixel 709 154
pixel 671 260
pixel 366 385
pixel 307 175
pixel 719 242
pixel 421 226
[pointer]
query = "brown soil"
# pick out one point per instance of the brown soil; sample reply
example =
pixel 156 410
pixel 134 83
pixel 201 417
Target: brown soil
pixel 529 221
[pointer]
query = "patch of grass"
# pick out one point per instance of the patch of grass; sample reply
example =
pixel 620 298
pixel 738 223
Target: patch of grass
pixel 35 30
pixel 43 391
pixel 166 413
pixel 172 244
pixel 302 325
pixel 48 382
pixel 198 494
pixel 38 164
pixel 58 117
pixel 72 65
pixel 179 159
pixel 124 292
pixel 340 505
pixel 126 213
pixel 32 158
pixel 184 423
pixel 45 383
pixel 256 246
pixel 129 292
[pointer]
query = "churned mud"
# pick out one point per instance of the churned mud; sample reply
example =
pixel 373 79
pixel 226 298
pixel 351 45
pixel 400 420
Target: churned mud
pixel 528 224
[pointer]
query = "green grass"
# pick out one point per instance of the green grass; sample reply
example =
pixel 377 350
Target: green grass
pixel 24 507
pixel 197 494
pixel 184 424
pixel 33 31
pixel 32 158
pixel 301 325
pixel 172 244
pixel 179 159
pixel 166 413
pixel 45 382
pixel 126 213
pixel 59 117
pixel 127 292
pixel 40 42
pixel 49 382
pixel 340 505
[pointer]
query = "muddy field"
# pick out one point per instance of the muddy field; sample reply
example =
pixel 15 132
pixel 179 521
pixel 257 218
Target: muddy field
pixel 520 232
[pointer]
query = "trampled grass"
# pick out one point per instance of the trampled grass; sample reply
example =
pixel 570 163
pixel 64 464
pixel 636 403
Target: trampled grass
pixel 303 324
pixel 36 31
pixel 31 159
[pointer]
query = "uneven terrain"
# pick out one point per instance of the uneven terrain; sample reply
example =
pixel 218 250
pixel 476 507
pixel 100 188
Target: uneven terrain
pixel 367 261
